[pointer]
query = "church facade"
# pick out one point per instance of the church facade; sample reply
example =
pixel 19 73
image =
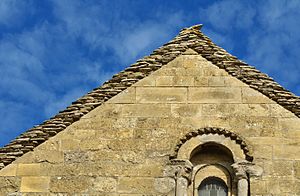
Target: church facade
pixel 188 120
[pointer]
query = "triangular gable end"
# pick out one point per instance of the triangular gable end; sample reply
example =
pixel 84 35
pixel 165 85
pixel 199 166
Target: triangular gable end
pixel 189 41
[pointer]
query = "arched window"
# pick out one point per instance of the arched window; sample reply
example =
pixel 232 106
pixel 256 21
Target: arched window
pixel 212 170
pixel 213 162
pixel 213 186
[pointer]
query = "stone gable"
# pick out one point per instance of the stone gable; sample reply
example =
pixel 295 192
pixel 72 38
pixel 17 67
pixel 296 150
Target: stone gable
pixel 128 145
pixel 188 38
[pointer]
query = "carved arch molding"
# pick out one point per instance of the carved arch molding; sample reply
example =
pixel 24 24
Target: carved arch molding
pixel 212 152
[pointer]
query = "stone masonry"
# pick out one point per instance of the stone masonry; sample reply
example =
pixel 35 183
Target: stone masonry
pixel 123 146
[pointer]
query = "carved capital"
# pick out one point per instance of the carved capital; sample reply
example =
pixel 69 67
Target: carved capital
pixel 183 169
pixel 240 171
pixel 245 168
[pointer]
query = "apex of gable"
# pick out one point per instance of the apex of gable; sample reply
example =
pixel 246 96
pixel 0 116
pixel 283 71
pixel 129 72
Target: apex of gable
pixel 196 27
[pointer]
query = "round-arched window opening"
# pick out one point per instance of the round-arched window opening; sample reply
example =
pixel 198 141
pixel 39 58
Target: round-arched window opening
pixel 213 186
pixel 210 153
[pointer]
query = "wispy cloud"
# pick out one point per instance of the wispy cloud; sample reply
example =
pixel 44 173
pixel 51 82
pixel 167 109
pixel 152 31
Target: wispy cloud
pixel 100 29
pixel 49 64
pixel 229 14
pixel 61 101
pixel 275 48
pixel 12 12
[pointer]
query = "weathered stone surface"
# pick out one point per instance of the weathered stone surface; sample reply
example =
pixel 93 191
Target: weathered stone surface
pixel 146 110
pixel 127 96
pixel 263 152
pixel 290 124
pixel 161 95
pixel 255 125
pixel 105 184
pixel 79 133
pixel 291 152
pixel 33 169
pixel 164 185
pixel 297 169
pixel 9 185
pixel 174 81
pixel 214 95
pixel 39 156
pixel 145 82
pixel 201 81
pixel 76 157
pixel 219 109
pixel 216 81
pixel 136 185
pixel 208 71
pixel 35 184
pixel 259 187
pixel 186 110
pixel 70 184
pixel 69 144
pixel 10 170
pixel 252 96
pixel 282 168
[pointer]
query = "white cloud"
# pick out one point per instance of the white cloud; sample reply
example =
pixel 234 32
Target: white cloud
pixel 60 102
pixel 94 72
pixel 82 20
pixel 12 12
pixel 229 14
pixel 275 48
pixel 275 13
pixel 103 30
pixel 220 39
pixel 17 62
pixel 138 40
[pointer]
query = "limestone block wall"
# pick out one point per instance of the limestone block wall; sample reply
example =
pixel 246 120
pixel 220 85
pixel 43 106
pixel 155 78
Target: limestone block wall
pixel 122 147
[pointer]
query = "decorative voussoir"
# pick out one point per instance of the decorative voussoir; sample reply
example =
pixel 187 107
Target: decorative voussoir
pixel 214 130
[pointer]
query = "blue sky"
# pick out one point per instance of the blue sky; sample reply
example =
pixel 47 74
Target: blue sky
pixel 54 51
